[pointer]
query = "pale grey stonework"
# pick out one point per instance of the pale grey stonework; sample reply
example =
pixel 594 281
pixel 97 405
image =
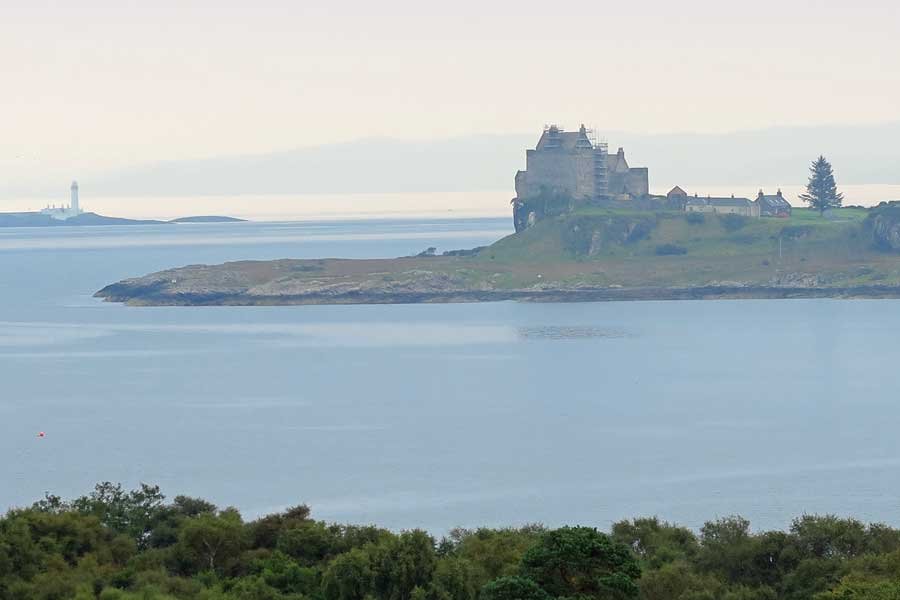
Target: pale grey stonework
pixel 569 163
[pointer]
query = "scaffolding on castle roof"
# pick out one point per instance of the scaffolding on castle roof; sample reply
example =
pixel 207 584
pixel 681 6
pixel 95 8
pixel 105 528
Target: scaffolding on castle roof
pixel 601 164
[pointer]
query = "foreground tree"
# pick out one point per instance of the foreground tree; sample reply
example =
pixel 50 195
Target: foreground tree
pixel 453 580
pixel 821 191
pixel 403 564
pixel 852 588
pixel 90 549
pixel 213 541
pixel 494 553
pixel 513 588
pixel 582 562
pixel 655 542
pixel 349 577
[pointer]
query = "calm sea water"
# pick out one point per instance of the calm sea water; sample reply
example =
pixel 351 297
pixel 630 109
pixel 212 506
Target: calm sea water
pixel 436 416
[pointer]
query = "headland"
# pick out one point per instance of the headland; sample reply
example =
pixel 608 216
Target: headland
pixel 72 215
pixel 593 254
pixel 586 228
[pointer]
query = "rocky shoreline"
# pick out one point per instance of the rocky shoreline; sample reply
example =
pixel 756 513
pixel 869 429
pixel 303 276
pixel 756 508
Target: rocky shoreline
pixel 573 258
pixel 136 296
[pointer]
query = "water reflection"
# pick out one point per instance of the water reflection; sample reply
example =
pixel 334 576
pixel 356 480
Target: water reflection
pixel 568 332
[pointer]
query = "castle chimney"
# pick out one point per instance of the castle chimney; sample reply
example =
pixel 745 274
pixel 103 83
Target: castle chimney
pixel 779 193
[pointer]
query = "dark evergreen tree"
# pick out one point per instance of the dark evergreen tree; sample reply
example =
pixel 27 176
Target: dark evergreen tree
pixel 581 562
pixel 513 588
pixel 821 191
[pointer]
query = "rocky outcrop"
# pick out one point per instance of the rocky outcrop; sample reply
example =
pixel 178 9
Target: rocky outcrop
pixel 139 295
pixel 884 225
pixel 293 282
pixel 404 281
pixel 798 280
pixel 527 212
pixel 589 235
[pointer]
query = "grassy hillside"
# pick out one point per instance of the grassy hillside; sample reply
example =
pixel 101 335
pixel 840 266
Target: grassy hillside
pixel 588 254
pixel 674 248
pixel 617 233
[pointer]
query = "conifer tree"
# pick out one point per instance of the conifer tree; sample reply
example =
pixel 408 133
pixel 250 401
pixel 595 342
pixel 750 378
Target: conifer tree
pixel 821 191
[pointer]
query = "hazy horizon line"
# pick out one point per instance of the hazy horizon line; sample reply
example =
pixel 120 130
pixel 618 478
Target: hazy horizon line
pixel 536 133
pixel 483 161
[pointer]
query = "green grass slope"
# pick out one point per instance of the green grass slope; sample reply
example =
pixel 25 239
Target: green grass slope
pixel 588 254
pixel 634 249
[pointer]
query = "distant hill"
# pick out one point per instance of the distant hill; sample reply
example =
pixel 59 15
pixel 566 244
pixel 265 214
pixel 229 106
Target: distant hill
pixel 861 154
pixel 36 219
pixel 27 219
pixel 95 219
pixel 371 165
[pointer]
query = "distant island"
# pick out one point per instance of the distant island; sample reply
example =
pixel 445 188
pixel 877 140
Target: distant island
pixel 36 219
pixel 588 254
pixel 588 228
pixel 72 215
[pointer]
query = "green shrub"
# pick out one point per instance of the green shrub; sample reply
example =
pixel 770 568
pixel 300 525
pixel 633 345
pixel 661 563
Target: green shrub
pixel 796 232
pixel 641 230
pixel 670 250
pixel 732 222
pixel 746 238
pixel 695 218
pixel 513 588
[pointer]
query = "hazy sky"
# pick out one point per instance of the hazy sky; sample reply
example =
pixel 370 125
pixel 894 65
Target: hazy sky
pixel 99 83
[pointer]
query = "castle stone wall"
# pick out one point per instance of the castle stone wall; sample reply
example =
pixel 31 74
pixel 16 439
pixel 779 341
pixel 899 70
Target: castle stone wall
pixel 564 162
pixel 637 182
pixel 566 171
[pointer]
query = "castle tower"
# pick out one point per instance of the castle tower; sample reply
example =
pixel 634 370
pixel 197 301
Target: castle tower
pixel 74 202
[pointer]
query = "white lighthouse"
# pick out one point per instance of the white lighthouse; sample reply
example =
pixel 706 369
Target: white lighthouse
pixel 73 205
pixel 61 213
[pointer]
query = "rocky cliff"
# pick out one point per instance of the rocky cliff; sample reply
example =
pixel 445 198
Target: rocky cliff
pixel 883 224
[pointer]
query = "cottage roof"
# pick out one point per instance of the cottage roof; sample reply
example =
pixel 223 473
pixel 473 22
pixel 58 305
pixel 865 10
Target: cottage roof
pixel 774 201
pixel 730 201
pixel 677 191
pixel 710 201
